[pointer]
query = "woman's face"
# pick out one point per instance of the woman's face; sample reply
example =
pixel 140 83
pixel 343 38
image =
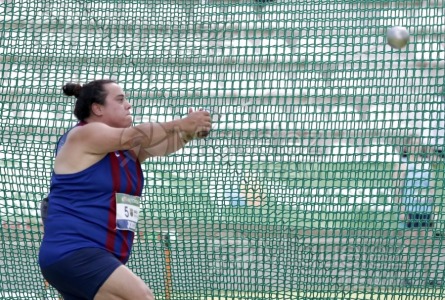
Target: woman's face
pixel 116 110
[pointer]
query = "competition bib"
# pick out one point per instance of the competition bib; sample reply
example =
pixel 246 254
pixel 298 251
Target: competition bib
pixel 127 211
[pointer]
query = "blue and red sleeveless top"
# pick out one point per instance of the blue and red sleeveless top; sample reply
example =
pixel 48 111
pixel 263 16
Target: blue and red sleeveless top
pixel 82 207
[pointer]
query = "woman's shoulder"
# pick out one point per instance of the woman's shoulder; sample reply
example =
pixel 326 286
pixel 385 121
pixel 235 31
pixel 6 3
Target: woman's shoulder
pixel 63 138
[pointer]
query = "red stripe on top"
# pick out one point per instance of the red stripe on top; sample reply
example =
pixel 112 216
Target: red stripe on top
pixel 126 233
pixel 124 162
pixel 111 231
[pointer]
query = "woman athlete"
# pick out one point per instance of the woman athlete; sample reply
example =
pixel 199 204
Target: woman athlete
pixel 96 188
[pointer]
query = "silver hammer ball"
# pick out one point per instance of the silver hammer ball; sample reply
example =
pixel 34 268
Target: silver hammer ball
pixel 397 37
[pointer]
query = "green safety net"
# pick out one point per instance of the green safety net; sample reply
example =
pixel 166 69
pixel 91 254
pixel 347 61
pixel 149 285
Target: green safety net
pixel 301 191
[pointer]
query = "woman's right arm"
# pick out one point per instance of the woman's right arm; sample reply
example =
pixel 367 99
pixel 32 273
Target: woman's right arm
pixel 99 138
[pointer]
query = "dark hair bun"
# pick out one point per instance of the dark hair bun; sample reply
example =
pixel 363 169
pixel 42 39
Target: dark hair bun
pixel 72 89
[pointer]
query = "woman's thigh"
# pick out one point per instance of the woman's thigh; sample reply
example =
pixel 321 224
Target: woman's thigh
pixel 123 284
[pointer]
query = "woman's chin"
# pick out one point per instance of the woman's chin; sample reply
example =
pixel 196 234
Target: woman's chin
pixel 124 124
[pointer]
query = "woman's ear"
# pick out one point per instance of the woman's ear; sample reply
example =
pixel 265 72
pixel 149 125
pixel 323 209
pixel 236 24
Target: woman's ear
pixel 96 109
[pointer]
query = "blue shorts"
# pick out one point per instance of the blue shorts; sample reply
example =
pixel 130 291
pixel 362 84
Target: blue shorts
pixel 80 274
